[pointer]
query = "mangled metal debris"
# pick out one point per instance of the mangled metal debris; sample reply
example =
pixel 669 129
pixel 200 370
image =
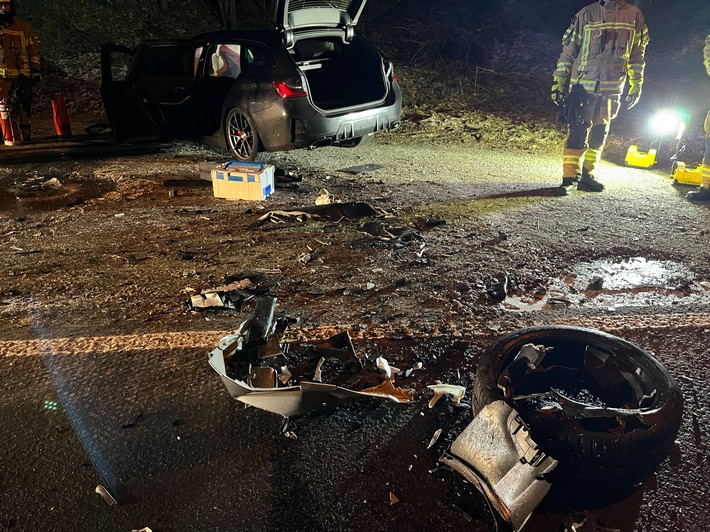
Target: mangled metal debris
pixel 497 455
pixel 332 212
pixel 229 296
pixel 307 383
pixel 545 396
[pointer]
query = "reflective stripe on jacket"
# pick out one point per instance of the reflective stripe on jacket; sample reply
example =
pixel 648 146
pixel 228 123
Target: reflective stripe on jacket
pixel 19 52
pixel 602 47
pixel 706 54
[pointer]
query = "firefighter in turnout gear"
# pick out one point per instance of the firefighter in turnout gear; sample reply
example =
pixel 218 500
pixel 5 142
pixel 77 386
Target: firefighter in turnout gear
pixel 19 69
pixel 703 191
pixel 603 48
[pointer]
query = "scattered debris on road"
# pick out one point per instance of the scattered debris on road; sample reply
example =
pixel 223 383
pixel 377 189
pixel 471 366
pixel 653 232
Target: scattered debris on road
pixel 106 495
pixel 544 396
pixel 322 376
pixel 229 296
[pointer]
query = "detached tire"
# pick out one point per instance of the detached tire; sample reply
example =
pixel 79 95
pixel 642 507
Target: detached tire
pixel 593 449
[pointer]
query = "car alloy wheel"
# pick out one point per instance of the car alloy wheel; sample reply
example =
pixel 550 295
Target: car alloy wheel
pixel 242 138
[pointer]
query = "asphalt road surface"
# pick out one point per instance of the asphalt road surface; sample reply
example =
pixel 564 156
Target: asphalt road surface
pixel 93 396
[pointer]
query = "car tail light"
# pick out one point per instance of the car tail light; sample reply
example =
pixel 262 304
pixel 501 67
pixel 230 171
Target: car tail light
pixel 286 91
pixel 394 76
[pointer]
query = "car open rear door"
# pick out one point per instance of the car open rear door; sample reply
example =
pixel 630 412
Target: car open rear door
pixel 124 109
pixel 156 95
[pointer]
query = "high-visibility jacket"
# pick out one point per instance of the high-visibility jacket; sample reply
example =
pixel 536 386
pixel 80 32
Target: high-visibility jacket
pixel 706 56
pixel 605 43
pixel 19 49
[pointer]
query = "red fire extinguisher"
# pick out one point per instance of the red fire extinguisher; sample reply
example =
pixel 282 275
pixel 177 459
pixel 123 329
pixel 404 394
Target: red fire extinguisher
pixel 61 116
pixel 9 124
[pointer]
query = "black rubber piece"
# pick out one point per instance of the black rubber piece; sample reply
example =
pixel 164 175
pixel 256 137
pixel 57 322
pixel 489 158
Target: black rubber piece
pixel 592 449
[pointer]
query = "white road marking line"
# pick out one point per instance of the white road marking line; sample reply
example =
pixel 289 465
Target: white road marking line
pixel 208 340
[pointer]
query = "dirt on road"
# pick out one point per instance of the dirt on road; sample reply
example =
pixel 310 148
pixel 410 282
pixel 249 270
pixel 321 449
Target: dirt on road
pixel 433 233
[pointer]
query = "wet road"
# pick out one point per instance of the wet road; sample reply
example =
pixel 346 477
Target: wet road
pixel 159 430
pixel 146 417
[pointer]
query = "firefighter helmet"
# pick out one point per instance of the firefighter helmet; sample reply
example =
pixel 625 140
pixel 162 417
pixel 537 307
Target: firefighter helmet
pixel 7 15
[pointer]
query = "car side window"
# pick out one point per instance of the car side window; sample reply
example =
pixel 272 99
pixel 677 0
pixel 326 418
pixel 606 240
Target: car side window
pixel 196 63
pixel 225 60
pixel 168 61
pixel 257 56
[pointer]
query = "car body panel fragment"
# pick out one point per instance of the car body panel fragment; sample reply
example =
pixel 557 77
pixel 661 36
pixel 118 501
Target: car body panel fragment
pixel 496 453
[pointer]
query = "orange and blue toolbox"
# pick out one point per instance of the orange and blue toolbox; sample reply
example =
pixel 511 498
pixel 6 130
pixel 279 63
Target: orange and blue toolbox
pixel 239 180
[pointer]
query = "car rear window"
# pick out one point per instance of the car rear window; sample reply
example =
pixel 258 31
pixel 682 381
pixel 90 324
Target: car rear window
pixel 295 5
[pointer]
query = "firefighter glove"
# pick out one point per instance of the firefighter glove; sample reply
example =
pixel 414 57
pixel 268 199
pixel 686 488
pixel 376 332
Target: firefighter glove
pixel 559 89
pixel 634 94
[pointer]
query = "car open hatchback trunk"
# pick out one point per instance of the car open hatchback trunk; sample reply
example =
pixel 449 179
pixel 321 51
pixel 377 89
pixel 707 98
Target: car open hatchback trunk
pixel 309 81
pixel 340 75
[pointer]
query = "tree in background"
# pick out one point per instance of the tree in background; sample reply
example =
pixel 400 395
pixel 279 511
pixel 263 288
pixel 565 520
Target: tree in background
pixel 234 14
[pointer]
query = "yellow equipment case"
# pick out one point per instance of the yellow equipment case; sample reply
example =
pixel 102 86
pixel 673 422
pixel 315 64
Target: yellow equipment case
pixel 684 175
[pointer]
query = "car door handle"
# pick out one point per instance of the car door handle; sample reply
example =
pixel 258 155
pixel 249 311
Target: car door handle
pixel 178 90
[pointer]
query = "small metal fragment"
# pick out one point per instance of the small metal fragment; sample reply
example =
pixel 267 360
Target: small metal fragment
pixel 318 377
pixel 434 438
pixel 110 499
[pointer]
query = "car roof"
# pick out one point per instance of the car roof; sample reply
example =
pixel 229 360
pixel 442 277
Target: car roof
pixel 266 35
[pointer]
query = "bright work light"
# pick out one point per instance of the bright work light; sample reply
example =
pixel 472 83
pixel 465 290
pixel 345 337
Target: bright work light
pixel 667 123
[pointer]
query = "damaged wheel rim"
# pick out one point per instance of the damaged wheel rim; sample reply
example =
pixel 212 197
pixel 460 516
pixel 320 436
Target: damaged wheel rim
pixel 602 406
pixel 564 406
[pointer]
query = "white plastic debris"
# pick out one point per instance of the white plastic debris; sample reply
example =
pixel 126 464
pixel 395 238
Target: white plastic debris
pixel 533 354
pixel 385 367
pixel 453 391
pixel 106 495
pixel 411 370
pixel 318 376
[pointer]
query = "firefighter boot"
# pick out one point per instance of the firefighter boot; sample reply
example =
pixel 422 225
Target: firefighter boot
pixel 567 186
pixel 588 183
pixel 699 194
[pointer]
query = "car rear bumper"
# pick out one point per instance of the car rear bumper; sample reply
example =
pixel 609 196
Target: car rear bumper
pixel 318 129
pixel 310 127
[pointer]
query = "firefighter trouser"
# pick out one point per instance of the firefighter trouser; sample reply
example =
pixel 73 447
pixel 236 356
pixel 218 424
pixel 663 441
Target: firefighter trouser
pixel 705 171
pixel 18 92
pixel 585 141
pixel 9 121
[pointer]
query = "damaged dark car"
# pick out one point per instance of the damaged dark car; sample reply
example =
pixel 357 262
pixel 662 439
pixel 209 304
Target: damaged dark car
pixel 310 82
